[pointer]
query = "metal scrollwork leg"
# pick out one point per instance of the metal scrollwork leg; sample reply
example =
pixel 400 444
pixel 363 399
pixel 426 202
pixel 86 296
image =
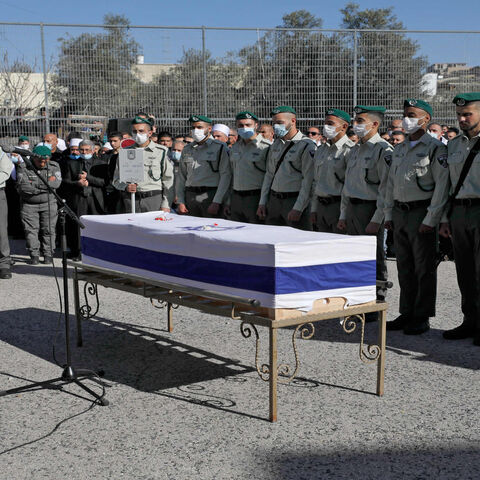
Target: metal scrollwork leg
pixel 370 353
pixel 87 311
pixel 158 303
pixel 284 370
pixel 246 329
pixel 306 331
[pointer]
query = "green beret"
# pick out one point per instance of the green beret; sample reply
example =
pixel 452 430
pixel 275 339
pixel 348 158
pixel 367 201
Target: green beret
pixel 23 138
pixel 42 151
pixel 246 115
pixel 413 102
pixel 283 109
pixel 137 120
pixel 199 118
pixel 463 98
pixel 339 113
pixel 371 109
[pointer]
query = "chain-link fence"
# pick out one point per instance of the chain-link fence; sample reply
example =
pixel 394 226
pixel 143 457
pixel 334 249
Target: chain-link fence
pixel 75 77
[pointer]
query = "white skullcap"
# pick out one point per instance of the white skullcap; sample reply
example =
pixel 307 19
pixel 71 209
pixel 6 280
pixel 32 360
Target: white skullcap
pixel 75 142
pixel 108 146
pixel 220 127
pixel 61 145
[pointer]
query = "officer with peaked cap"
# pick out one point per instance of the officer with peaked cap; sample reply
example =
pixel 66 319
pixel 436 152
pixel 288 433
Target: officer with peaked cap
pixel 156 191
pixel 287 183
pixel 362 204
pixel 464 222
pixel 415 196
pixel 329 171
pixel 204 172
pixel 248 161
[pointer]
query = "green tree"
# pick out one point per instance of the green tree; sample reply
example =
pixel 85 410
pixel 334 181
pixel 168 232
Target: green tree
pixel 307 69
pixel 94 74
pixel 389 68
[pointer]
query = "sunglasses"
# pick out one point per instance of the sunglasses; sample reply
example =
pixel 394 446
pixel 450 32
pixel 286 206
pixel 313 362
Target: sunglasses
pixel 313 134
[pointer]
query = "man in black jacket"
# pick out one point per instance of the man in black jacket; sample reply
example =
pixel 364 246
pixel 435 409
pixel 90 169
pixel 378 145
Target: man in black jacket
pixel 84 183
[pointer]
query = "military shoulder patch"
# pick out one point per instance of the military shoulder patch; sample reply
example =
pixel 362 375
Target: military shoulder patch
pixel 388 159
pixel 443 160
pixel 312 153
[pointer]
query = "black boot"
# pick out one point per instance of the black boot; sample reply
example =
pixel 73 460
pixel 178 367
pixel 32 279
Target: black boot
pixel 399 323
pixel 34 260
pixel 464 330
pixel 417 326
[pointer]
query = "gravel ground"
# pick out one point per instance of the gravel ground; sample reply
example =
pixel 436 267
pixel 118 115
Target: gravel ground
pixel 189 404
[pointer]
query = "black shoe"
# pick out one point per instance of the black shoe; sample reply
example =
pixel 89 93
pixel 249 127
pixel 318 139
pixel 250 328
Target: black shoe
pixel 460 332
pixel 47 260
pixel 399 323
pixel 34 260
pixel 371 317
pixel 5 273
pixel 417 326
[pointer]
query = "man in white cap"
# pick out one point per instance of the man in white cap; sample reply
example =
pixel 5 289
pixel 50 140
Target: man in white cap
pixel 220 132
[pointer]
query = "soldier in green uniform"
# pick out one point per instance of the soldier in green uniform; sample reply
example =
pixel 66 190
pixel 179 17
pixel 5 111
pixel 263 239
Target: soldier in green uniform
pixel 362 204
pixel 156 192
pixel 415 196
pixel 39 206
pixel 464 221
pixel 329 171
pixel 287 183
pixel 248 162
pixel 204 172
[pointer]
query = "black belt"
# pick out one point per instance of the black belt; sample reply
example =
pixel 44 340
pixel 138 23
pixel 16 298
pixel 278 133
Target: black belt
pixel 247 193
pixel 406 206
pixel 283 195
pixel 360 201
pixel 467 202
pixel 151 193
pixel 329 200
pixel 200 189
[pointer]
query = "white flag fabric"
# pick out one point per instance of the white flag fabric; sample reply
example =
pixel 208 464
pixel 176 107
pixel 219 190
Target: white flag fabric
pixel 281 267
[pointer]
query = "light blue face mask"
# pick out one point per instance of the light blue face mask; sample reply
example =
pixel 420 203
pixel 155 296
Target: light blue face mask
pixel 49 145
pixel 280 130
pixel 174 155
pixel 247 132
pixel 86 156
pixel 74 157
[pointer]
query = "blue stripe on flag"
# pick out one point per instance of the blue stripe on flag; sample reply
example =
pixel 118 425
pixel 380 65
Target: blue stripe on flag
pixel 272 280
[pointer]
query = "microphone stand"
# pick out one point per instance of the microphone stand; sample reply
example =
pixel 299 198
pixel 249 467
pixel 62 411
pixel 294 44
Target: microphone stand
pixel 70 374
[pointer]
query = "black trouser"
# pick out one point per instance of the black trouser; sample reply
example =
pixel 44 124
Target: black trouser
pixel 327 216
pixel 415 254
pixel 244 206
pixel 84 206
pixel 465 225
pixel 197 202
pixel 358 217
pixel 278 209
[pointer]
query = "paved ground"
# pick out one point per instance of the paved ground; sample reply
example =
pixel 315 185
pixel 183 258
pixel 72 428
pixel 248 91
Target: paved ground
pixel 189 405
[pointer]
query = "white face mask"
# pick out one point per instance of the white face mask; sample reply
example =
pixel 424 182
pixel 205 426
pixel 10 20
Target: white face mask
pixel 329 131
pixel 410 125
pixel 140 138
pixel 361 130
pixel 25 146
pixel 198 134
pixel 433 134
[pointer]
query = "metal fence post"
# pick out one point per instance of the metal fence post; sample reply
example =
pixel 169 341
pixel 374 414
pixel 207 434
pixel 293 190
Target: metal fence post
pixel 355 66
pixel 204 56
pixel 45 80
